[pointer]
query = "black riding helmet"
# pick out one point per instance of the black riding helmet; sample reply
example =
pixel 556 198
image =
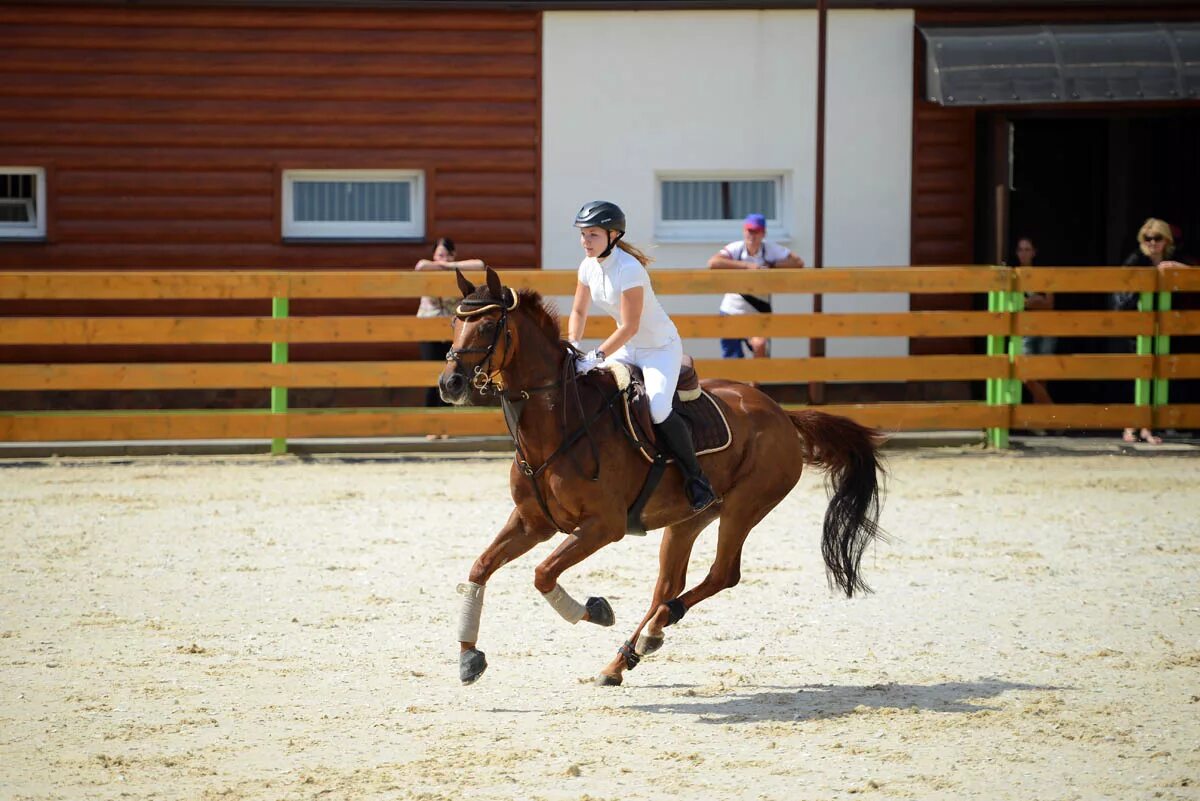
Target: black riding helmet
pixel 602 214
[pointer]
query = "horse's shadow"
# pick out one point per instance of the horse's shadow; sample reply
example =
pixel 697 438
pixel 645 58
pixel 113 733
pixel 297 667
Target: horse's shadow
pixel 821 701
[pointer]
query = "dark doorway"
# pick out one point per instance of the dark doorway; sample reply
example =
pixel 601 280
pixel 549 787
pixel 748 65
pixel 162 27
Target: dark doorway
pixel 1059 190
pixel 1081 185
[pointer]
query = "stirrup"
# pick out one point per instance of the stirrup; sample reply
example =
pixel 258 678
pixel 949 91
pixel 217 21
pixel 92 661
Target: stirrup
pixel 701 495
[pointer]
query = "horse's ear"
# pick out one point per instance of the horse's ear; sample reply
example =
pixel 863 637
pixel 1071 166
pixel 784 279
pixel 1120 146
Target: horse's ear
pixel 494 285
pixel 465 286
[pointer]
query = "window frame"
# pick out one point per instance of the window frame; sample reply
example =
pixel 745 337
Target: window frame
pixel 293 230
pixel 689 231
pixel 36 229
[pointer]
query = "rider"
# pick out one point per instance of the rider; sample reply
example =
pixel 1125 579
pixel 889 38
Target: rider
pixel 613 274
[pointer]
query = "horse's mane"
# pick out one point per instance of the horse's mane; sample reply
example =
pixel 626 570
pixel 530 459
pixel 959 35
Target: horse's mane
pixel 545 317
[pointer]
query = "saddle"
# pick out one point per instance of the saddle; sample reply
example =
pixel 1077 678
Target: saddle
pixel 703 414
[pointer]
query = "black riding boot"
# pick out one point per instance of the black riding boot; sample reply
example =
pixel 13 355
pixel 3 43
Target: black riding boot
pixel 674 432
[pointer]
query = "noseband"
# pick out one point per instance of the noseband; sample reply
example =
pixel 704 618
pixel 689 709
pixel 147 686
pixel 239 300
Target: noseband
pixel 485 378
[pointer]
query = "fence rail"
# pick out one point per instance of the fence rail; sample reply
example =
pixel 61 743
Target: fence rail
pixel 1002 367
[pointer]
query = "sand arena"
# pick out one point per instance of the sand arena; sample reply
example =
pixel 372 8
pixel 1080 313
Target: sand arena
pixel 256 628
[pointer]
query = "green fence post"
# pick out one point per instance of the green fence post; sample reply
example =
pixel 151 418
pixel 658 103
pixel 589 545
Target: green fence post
pixel 996 437
pixel 1016 303
pixel 1145 344
pixel 279 355
pixel 1162 347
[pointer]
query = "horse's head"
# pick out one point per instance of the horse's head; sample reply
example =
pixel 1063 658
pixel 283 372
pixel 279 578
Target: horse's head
pixel 485 340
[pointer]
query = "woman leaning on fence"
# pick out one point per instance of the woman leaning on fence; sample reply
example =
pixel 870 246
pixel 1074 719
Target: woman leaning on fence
pixel 1157 247
pixel 443 259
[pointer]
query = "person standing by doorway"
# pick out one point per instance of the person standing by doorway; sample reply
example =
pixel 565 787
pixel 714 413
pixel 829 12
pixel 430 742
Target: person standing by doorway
pixel 1026 256
pixel 443 308
pixel 753 252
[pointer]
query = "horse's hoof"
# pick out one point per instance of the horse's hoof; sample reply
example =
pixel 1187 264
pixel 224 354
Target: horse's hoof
pixel 599 612
pixel 471 665
pixel 605 680
pixel 648 644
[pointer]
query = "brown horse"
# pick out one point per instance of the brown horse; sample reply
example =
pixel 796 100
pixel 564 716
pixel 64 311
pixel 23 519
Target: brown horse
pixel 575 471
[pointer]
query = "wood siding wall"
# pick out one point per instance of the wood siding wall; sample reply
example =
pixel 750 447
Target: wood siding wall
pixel 164 131
pixel 943 203
pixel 943 190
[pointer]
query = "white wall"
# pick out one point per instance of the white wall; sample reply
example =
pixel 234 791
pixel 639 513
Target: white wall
pixel 868 159
pixel 627 94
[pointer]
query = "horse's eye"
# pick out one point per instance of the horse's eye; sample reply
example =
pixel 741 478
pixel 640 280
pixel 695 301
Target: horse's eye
pixel 487 327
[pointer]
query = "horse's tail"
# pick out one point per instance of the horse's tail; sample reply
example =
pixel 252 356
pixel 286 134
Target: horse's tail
pixel 849 454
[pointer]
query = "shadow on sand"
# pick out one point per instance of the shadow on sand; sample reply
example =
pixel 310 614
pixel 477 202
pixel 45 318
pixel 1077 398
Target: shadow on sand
pixel 820 701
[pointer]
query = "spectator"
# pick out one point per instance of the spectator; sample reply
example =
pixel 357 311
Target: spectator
pixel 1036 301
pixel 443 259
pixel 753 252
pixel 1156 248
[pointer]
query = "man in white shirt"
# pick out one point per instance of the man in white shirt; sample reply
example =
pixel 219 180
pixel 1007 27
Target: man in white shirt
pixel 753 252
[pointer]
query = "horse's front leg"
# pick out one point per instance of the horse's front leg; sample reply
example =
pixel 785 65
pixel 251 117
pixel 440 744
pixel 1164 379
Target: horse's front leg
pixel 590 537
pixel 515 539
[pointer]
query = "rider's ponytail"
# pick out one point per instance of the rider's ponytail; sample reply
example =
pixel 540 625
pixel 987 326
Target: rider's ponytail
pixel 632 251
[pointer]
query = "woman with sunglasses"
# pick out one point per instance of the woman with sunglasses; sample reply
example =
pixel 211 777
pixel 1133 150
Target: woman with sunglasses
pixel 1156 248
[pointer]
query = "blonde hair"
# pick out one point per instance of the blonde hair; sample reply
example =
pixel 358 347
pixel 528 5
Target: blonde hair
pixel 632 251
pixel 1153 225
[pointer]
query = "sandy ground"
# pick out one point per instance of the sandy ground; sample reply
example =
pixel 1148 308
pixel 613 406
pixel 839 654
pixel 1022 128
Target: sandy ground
pixel 248 628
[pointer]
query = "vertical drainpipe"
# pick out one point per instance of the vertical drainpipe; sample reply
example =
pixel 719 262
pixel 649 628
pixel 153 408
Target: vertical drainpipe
pixel 816 390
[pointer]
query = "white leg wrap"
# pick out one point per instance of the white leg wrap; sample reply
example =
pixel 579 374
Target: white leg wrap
pixel 472 608
pixel 571 610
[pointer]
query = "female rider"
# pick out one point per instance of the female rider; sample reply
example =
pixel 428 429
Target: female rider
pixel 613 274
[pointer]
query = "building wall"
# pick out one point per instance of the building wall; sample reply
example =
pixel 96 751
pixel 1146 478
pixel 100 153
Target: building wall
pixel 629 94
pixel 164 130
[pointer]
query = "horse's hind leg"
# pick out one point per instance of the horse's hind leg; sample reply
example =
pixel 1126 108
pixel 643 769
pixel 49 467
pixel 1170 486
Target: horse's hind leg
pixel 737 519
pixel 673 556
pixel 726 570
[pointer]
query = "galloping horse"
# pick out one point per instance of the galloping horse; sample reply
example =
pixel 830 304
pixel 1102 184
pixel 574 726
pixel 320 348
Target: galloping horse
pixel 576 471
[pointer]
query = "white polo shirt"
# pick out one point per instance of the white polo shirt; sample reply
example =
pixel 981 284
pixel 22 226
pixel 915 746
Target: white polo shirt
pixel 734 303
pixel 618 272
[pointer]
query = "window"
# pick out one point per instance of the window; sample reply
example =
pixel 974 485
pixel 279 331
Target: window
pixel 353 204
pixel 22 202
pixel 701 208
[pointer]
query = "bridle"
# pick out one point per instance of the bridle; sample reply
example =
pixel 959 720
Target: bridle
pixel 485 379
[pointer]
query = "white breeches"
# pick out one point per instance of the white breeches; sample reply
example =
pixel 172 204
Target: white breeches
pixel 660 370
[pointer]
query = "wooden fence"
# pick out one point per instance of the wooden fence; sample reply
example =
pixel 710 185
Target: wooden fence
pixel 1001 366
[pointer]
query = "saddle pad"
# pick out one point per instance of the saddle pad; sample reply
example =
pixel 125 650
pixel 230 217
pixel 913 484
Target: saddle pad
pixel 704 415
pixel 710 429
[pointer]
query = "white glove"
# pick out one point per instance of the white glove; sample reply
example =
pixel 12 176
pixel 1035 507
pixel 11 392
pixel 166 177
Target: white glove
pixel 588 362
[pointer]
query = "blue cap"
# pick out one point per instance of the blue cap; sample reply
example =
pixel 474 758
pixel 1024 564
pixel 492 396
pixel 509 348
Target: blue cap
pixel 755 221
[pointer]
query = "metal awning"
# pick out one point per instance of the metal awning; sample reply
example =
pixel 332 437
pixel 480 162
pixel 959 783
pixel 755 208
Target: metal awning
pixel 1007 65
